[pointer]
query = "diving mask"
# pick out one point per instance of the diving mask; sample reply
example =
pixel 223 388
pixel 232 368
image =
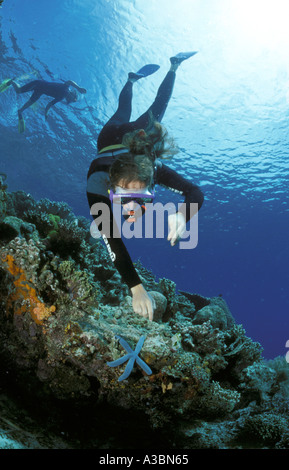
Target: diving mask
pixel 124 196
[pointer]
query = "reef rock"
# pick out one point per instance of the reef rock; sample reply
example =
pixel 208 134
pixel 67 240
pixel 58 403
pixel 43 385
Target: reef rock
pixel 217 313
pixel 3 196
pixel 64 312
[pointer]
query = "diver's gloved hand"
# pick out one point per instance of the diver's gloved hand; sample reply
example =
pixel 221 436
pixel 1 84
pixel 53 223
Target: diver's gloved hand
pixel 82 90
pixel 177 227
pixel 142 302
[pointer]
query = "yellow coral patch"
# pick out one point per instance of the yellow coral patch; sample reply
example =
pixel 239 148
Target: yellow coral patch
pixel 26 294
pixel 166 387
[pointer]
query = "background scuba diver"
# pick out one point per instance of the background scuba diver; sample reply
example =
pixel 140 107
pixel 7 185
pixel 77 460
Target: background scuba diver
pixel 58 91
pixel 130 156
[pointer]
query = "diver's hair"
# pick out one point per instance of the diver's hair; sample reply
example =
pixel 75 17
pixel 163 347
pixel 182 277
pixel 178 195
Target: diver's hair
pixel 128 167
pixel 144 146
pixel 154 142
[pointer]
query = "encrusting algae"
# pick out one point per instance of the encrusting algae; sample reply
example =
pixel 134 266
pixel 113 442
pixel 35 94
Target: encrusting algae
pixel 25 294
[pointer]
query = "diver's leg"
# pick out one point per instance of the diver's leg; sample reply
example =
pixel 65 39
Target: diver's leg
pixel 110 133
pixel 159 106
pixel 113 132
pixel 118 125
pixel 123 112
pixel 35 96
pixel 31 86
pixel 163 97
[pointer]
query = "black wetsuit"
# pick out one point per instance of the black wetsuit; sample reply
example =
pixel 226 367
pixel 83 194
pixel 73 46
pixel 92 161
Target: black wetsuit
pixel 98 179
pixel 41 87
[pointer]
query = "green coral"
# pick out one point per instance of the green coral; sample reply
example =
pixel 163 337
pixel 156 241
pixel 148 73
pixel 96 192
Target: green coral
pixel 63 237
pixel 46 224
pixel 55 220
pixel 219 401
pixel 168 289
pixel 42 221
pixel 61 209
pixel 280 365
pixel 266 427
pixel 239 351
pixel 258 381
pixel 67 240
pixel 217 313
pixel 284 442
pixel 19 202
pixel 78 284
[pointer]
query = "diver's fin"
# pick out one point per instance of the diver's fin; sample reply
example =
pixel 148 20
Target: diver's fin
pixel 5 84
pixel 145 71
pixel 148 69
pixel 21 125
pixel 177 59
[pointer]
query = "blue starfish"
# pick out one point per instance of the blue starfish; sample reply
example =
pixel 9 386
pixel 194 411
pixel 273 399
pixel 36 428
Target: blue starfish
pixel 131 357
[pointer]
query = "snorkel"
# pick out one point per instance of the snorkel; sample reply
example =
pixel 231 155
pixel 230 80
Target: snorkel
pixel 125 196
pixel 71 96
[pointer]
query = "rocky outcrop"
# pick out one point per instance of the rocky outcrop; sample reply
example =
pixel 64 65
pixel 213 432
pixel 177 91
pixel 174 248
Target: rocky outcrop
pixel 63 307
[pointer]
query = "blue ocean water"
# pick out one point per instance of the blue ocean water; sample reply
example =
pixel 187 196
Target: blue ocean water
pixel 228 114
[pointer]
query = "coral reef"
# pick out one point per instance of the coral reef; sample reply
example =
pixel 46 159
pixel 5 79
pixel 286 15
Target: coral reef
pixel 267 427
pixel 63 306
pixel 3 196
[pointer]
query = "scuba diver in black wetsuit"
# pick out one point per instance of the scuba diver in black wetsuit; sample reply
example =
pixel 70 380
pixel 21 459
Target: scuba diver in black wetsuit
pixel 128 167
pixel 58 91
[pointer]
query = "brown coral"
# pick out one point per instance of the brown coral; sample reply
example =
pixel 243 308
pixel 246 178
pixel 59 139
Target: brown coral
pixel 24 297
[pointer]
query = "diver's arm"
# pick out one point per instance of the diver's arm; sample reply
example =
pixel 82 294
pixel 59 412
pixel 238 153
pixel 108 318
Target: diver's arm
pixel 193 195
pixel 78 88
pixel 142 302
pixel 50 104
pixel 170 179
pixel 115 246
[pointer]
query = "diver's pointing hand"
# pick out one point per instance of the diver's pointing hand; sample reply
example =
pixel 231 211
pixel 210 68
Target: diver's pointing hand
pixel 142 302
pixel 177 227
